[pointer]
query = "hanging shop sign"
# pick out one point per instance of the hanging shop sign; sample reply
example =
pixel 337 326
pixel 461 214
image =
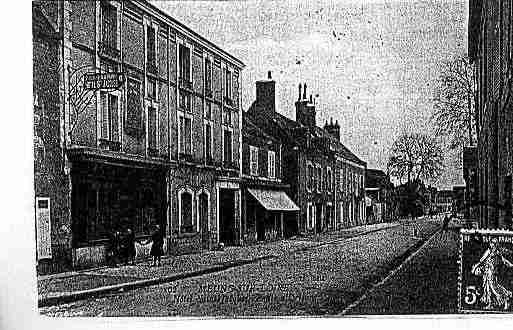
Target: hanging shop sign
pixel 99 81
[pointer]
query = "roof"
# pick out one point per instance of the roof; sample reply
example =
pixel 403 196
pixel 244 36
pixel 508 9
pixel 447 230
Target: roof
pixel 250 129
pixel 194 34
pixel 375 178
pixel 286 129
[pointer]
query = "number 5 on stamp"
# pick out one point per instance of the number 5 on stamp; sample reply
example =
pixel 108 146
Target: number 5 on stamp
pixel 485 281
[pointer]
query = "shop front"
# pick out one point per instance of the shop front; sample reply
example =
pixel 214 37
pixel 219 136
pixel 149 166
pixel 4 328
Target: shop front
pixel 109 199
pixel 269 214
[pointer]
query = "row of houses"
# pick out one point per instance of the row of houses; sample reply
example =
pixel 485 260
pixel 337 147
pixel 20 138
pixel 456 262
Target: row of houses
pixel 138 121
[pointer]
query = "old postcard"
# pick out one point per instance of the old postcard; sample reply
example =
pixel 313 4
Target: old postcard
pixel 264 159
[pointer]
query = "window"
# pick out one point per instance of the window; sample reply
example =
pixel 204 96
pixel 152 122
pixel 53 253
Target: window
pixel 310 178
pixel 186 218
pixel 208 77
pixel 185 66
pixel 208 110
pixel 253 160
pixel 152 129
pixel 185 101
pixel 227 116
pixel 109 26
pixel 228 87
pixel 109 117
pixel 185 145
pixel 271 164
pixel 319 178
pixel 152 89
pixel 133 120
pixel 208 142
pixel 329 179
pixel 310 216
pixel 151 50
pixel 227 146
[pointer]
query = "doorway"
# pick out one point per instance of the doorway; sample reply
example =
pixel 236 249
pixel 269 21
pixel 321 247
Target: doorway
pixel 318 218
pixel 227 216
pixel 203 219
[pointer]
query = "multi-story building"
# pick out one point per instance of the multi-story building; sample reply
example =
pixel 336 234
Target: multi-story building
pixel 326 179
pixel 490 48
pixel 267 211
pixel 444 201
pixel 379 192
pixel 143 128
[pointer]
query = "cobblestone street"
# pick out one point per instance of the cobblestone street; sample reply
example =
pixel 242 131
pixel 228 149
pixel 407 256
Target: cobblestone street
pixel 318 281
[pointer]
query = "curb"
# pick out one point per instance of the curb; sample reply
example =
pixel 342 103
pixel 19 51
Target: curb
pixel 62 298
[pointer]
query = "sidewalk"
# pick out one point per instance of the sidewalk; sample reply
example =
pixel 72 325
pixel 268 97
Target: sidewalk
pixel 59 288
pixel 426 284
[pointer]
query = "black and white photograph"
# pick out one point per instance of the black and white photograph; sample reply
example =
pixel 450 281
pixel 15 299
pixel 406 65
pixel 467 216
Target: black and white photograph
pixel 271 159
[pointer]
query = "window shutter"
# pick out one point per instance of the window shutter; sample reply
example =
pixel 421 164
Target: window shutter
pixel 104 116
pixel 152 128
pixel 113 114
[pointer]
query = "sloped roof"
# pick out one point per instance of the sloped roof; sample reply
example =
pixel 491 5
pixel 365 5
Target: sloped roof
pixel 249 128
pixel 287 127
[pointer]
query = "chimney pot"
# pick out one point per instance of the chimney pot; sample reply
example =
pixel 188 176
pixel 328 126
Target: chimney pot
pixel 269 76
pixel 304 92
pixel 311 98
pixel 299 97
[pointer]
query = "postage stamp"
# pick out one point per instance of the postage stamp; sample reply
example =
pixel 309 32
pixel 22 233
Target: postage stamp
pixel 486 271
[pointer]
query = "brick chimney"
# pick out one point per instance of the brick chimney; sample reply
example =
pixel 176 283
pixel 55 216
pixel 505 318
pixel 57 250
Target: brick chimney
pixel 333 129
pixel 265 93
pixel 305 108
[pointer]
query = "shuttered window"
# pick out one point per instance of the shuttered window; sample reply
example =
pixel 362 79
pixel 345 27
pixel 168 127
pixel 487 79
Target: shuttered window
pixel 253 160
pixel 227 146
pixel 152 128
pixel 271 164
pixel 109 117
pixel 208 142
pixel 185 135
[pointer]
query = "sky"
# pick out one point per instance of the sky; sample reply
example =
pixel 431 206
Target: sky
pixel 374 64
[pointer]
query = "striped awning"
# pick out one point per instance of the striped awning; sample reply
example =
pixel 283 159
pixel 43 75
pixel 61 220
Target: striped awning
pixel 274 200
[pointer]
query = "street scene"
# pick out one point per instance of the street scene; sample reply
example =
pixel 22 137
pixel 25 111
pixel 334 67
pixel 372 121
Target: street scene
pixel 270 159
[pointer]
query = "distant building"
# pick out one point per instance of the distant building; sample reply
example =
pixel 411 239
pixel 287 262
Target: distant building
pixel 458 200
pixel 444 201
pixel 326 179
pixel 379 192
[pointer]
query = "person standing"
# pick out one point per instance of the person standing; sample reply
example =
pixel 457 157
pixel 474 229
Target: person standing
pixel 157 247
pixel 130 247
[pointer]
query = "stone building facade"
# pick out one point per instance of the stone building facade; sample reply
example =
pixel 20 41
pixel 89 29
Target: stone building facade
pixel 146 130
pixel 326 179
pixel 267 211
pixel 490 48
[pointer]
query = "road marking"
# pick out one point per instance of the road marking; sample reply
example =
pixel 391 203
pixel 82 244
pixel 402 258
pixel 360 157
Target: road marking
pixel 389 276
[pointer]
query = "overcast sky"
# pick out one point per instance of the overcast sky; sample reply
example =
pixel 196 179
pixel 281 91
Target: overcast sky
pixel 373 63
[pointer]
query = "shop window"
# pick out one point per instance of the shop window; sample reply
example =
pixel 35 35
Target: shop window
pixel 186 219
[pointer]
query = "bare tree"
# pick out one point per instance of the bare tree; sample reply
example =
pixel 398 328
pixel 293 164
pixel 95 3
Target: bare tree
pixel 415 157
pixel 454 102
